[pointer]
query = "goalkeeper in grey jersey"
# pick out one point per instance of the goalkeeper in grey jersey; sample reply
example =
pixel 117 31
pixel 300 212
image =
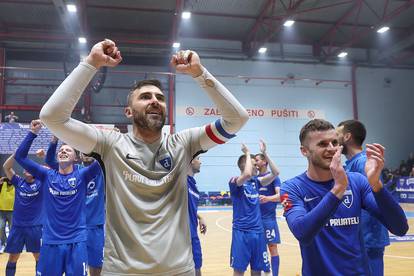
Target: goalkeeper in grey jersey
pixel 147 230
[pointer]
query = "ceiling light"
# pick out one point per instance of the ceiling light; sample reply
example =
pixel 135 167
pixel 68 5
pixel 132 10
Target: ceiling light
pixel 186 15
pixel 342 54
pixel 383 29
pixel 289 23
pixel 71 7
pixel 262 50
pixel 176 45
pixel 82 40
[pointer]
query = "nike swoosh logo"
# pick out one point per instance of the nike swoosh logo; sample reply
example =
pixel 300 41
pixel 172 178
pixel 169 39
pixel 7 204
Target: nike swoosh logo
pixel 128 156
pixel 307 199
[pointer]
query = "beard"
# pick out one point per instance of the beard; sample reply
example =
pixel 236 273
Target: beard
pixel 149 121
pixel 319 162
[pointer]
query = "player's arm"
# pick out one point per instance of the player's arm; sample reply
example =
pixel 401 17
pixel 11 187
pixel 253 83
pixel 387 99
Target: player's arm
pixel 380 202
pixel 50 159
pixel 306 225
pixel 202 224
pixel 248 167
pixel 8 167
pixel 234 115
pixel 274 172
pixel 91 171
pixel 22 151
pixel 272 198
pixel 56 113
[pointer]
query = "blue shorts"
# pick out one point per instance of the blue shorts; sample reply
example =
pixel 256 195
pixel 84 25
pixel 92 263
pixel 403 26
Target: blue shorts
pixel 247 247
pixel 21 236
pixel 197 256
pixel 271 231
pixel 95 246
pixel 69 258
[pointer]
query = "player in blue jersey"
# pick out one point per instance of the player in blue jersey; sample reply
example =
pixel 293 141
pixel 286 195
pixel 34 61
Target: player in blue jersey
pixel 351 135
pixel 26 230
pixel 95 209
pixel 194 217
pixel 323 205
pixel 64 235
pixel 248 242
pixel 269 196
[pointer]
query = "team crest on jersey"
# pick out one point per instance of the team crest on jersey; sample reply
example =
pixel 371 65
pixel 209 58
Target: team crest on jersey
pixel 33 187
pixel 72 182
pixel 348 198
pixel 166 162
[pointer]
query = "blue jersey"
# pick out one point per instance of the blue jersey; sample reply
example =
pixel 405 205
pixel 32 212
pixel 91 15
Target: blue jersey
pixel 95 198
pixel 193 197
pixel 27 202
pixel 64 197
pixel 268 209
pixel 374 233
pixel 328 228
pixel 246 206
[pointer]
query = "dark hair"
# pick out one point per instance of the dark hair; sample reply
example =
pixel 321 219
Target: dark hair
pixel 142 83
pixel 357 130
pixel 314 125
pixel 242 161
pixel 261 156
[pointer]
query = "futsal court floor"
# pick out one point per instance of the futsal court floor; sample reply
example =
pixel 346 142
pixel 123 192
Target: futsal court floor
pixel 399 256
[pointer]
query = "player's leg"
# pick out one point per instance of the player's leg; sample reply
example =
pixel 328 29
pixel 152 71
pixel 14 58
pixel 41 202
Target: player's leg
pixel 77 260
pixel 197 255
pixel 52 260
pixel 240 252
pixel 2 231
pixel 260 258
pixel 33 236
pixel 95 249
pixel 14 247
pixel 11 264
pixel 376 260
pixel 273 238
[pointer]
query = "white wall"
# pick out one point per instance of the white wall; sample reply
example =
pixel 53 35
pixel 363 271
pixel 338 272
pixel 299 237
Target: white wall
pixel 281 134
pixel 387 111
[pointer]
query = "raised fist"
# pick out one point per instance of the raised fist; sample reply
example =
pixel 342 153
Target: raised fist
pixel 187 62
pixel 104 53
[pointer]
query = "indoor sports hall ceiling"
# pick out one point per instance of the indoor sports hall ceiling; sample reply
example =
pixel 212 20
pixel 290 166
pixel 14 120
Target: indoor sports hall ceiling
pixel 230 29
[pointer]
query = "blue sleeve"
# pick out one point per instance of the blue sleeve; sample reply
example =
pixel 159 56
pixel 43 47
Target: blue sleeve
pixel 51 156
pixel 383 206
pixel 234 189
pixel 15 180
pixel 21 157
pixel 303 224
pixel 277 182
pixel 91 171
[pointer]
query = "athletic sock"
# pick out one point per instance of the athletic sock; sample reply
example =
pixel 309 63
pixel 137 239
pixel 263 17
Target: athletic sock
pixel 275 265
pixel 10 269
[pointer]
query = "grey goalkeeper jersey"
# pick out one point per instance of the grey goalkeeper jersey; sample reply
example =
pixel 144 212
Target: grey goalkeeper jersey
pixel 147 230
